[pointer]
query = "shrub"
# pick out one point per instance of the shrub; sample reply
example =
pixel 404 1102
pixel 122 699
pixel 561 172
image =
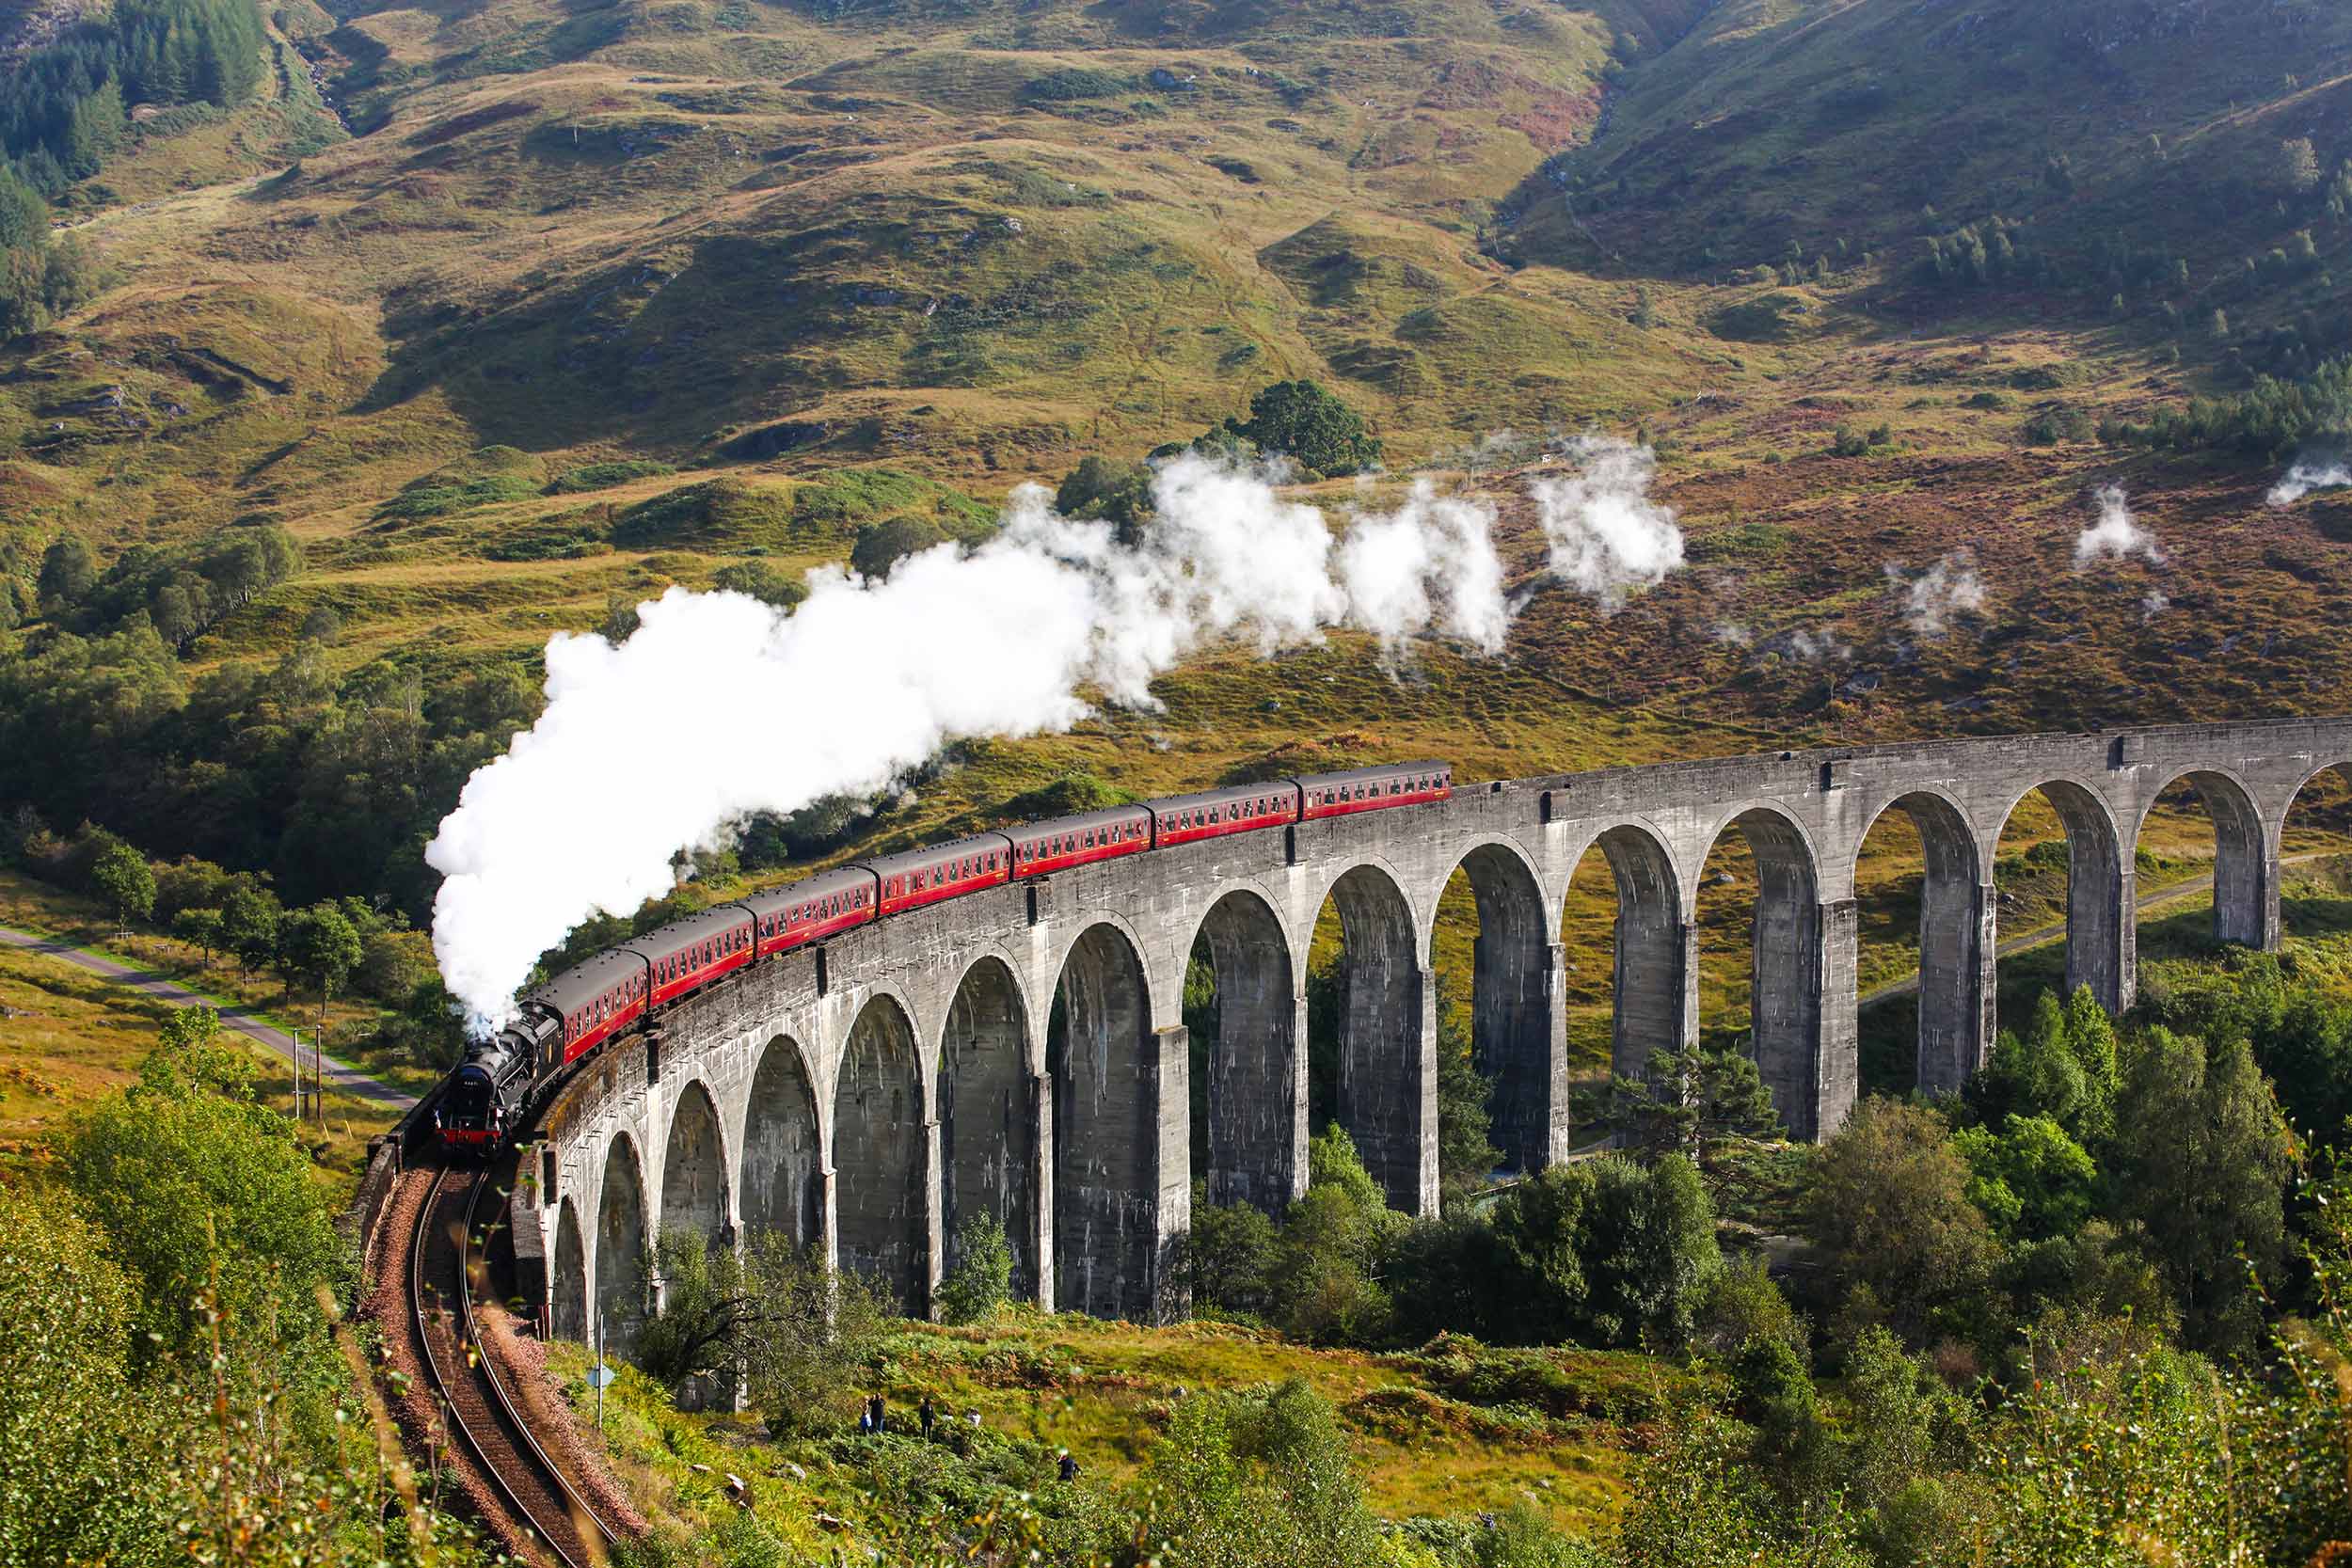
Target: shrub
pixel 980 1284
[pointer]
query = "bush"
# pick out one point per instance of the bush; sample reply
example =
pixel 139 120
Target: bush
pixel 1302 421
pixel 979 1285
pixel 881 545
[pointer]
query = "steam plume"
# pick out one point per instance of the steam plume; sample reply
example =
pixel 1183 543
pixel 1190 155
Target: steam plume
pixel 2117 534
pixel 1607 536
pixel 2304 478
pixel 720 706
pixel 1949 588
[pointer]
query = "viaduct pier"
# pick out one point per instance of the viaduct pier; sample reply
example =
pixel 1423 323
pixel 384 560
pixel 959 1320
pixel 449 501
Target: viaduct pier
pixel 1020 1051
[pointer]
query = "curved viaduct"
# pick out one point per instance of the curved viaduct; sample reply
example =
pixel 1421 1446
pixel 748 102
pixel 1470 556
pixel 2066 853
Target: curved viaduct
pixel 1021 1053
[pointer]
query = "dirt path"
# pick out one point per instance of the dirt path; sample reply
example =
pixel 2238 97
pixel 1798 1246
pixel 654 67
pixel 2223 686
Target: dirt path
pixel 348 1079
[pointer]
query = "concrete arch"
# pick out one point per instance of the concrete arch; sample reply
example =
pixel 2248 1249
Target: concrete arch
pixel 1108 1154
pixel 2100 894
pixel 1388 1074
pixel 1956 946
pixel 2244 888
pixel 1785 1000
pixel 568 1283
pixel 881 1154
pixel 1651 980
pixel 695 1170
pixel 988 1108
pixel 1073 929
pixel 1253 1097
pixel 783 1184
pixel 1516 1033
pixel 624 1257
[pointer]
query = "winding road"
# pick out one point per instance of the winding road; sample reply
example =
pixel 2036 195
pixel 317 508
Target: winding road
pixel 342 1076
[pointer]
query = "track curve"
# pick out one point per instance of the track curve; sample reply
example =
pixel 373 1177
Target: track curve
pixel 545 1517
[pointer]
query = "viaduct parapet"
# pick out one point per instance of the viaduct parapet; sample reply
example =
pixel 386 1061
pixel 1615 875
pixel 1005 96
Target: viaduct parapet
pixel 1021 1053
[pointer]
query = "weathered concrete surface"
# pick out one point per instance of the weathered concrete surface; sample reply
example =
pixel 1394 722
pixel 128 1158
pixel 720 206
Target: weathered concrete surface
pixel 865 1105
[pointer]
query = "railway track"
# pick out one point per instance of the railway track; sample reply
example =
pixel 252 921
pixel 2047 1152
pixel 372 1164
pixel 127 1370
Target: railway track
pixel 483 1422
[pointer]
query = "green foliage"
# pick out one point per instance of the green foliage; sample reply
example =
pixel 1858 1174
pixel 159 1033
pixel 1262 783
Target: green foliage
pixel 42 276
pixel 980 1284
pixel 121 875
pixel 1302 421
pixel 1073 82
pixel 1889 1200
pixel 190 1028
pixel 320 946
pixel 1697 1501
pixel 1117 493
pixel 69 1477
pixel 1241 1479
pixel 809 1348
pixel 200 1187
pixel 1761 320
pixel 706 1300
pixel 2029 1179
pixel 881 545
pixel 2268 422
pixel 1692 1100
pixel 1331 1239
pixel 1740 1302
pixel 603 476
pixel 2198 1168
pixel 1605 1252
pixel 759 581
pixel 1234 1255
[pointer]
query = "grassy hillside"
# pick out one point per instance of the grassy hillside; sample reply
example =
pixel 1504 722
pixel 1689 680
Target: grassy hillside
pixel 599 299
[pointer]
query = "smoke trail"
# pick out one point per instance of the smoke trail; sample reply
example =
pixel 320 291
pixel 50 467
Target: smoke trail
pixel 1432 563
pixel 1949 588
pixel 1608 537
pixel 720 706
pixel 2304 478
pixel 2117 534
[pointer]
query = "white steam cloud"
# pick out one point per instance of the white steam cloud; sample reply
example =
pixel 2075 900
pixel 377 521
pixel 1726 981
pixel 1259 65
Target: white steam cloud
pixel 2115 533
pixel 1949 588
pixel 719 707
pixel 2304 478
pixel 1608 537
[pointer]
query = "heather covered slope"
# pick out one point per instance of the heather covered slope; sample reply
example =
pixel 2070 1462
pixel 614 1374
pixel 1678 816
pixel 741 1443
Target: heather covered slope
pixel 596 299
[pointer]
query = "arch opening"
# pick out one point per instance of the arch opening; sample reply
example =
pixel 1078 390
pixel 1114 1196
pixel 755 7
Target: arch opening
pixel 1763 887
pixel 1241 1011
pixel 2205 820
pixel 569 1308
pixel 1493 906
pixel 694 1173
pixel 987 1118
pixel 2061 868
pixel 1106 1145
pixel 1637 1000
pixel 783 1181
pixel 1369 1011
pixel 2315 856
pixel 1923 959
pixel 622 1256
pixel 880 1147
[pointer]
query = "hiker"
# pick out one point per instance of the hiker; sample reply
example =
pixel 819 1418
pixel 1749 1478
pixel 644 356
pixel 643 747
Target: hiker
pixel 866 1420
pixel 923 1413
pixel 1069 1465
pixel 880 1413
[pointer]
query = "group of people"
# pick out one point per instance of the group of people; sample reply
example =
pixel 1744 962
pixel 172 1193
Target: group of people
pixel 873 1419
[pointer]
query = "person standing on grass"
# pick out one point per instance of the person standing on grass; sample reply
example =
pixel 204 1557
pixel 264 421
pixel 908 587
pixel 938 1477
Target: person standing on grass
pixel 879 1412
pixel 923 1413
pixel 1069 1465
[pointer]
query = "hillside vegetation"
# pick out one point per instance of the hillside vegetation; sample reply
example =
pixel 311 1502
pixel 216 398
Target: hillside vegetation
pixel 550 308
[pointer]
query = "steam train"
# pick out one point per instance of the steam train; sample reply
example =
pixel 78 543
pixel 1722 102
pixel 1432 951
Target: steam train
pixel 628 986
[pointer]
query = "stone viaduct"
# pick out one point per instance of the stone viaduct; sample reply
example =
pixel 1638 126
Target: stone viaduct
pixel 1021 1053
